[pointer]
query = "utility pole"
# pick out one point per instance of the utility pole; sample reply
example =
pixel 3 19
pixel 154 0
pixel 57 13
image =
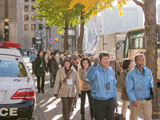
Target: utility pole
pixel 6 21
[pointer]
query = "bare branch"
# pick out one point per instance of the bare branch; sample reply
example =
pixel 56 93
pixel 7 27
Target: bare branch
pixel 138 3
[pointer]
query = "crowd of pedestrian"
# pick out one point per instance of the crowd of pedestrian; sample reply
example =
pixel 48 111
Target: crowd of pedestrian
pixel 76 75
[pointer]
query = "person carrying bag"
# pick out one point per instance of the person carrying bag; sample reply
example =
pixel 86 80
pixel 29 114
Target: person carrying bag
pixel 67 86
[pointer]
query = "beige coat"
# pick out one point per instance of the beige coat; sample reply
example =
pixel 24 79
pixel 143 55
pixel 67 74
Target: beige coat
pixel 84 85
pixel 116 67
pixel 124 95
pixel 62 88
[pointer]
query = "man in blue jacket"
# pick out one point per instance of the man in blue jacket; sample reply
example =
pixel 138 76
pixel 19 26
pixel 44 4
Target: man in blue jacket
pixel 103 88
pixel 139 81
pixel 32 60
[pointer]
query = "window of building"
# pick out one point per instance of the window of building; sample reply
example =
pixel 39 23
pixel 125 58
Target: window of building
pixel 26 8
pixel 33 27
pixel 26 17
pixel 40 26
pixel 33 8
pixel 33 18
pixel 26 27
pixel 26 0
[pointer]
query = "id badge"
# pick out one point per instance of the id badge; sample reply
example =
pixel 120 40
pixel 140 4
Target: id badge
pixel 108 86
pixel 41 65
pixel 69 81
pixel 59 66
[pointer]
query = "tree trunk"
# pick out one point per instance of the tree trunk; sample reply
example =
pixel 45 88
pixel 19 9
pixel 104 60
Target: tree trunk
pixel 149 9
pixel 65 43
pixel 80 39
pixel 151 42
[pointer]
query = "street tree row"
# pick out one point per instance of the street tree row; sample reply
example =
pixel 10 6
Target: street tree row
pixel 64 13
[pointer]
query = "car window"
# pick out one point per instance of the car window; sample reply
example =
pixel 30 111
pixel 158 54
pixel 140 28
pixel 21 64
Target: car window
pixel 12 69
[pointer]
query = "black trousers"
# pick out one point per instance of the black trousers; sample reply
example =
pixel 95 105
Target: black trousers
pixel 104 109
pixel 83 99
pixel 40 87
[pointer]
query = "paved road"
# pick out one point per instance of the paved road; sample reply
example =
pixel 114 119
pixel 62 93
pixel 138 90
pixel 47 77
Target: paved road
pixel 50 108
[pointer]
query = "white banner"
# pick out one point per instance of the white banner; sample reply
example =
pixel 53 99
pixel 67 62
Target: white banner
pixel 94 30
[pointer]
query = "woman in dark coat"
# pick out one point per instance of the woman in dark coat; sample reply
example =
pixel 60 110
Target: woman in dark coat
pixel 40 68
pixel 127 66
pixel 53 68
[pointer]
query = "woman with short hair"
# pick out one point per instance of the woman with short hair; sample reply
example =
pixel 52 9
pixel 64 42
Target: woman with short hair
pixel 85 87
pixel 67 87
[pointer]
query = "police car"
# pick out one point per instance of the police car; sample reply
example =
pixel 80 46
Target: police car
pixel 17 87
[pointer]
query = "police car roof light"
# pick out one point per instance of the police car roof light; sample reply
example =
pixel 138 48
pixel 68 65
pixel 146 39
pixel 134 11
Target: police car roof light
pixel 14 45
pixel 10 45
pixel 2 44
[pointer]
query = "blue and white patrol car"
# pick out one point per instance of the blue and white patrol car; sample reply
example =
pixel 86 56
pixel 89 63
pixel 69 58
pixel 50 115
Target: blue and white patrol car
pixel 17 87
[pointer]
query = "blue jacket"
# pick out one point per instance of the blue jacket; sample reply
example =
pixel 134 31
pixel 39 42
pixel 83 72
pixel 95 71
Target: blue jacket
pixel 33 57
pixel 98 78
pixel 139 84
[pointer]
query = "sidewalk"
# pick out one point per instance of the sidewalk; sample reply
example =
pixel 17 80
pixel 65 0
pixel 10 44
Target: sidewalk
pixel 50 108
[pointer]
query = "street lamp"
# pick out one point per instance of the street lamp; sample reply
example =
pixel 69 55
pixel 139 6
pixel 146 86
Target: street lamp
pixel 6 20
pixel 6 29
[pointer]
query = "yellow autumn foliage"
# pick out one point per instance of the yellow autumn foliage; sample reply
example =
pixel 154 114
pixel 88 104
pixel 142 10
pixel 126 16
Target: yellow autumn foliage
pixel 102 4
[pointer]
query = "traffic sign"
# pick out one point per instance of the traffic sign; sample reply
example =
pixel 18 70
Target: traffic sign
pixel 57 39
pixel 50 41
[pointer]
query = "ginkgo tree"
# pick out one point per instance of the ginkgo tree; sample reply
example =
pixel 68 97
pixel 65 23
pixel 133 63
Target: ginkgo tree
pixel 101 5
pixel 83 19
pixel 92 8
pixel 57 14
pixel 63 13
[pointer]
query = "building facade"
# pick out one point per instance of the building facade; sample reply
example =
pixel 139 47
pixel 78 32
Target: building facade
pixel 158 13
pixel 31 32
pixel 132 17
